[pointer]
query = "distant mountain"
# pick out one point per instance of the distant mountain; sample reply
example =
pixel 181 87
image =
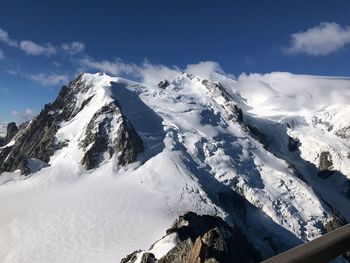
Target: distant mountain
pixel 111 164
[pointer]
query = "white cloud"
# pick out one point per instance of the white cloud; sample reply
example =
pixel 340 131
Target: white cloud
pixel 285 93
pixel 24 115
pixel 204 69
pixel 111 67
pixel 152 74
pixel 49 79
pixel 2 55
pixel 35 49
pixel 320 40
pixel 31 48
pixel 4 37
pixel 73 47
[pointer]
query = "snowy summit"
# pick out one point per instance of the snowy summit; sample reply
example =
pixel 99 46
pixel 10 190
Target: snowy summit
pixel 111 164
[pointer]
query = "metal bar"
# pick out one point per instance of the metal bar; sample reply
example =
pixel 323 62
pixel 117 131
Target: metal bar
pixel 322 249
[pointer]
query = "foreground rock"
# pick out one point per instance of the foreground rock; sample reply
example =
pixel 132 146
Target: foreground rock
pixel 201 239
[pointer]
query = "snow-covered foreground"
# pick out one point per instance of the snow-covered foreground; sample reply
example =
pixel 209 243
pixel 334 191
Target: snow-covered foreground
pixel 195 146
pixel 98 217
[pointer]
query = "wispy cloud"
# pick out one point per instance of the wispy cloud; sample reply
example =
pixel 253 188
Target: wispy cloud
pixel 2 55
pixel 115 67
pixel 49 79
pixel 32 48
pixel 320 40
pixel 4 37
pixel 73 47
pixel 23 115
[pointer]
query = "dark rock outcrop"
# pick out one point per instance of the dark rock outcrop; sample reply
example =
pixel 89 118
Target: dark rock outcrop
pixel 343 133
pixel 148 258
pixel 163 84
pixel 325 165
pixel 212 239
pixel 337 221
pixel 259 136
pixel 131 258
pixel 126 142
pixel 207 239
pixel 12 130
pixel 293 144
pixel 233 112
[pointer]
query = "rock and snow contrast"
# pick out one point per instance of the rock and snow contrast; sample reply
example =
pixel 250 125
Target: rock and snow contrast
pixel 261 162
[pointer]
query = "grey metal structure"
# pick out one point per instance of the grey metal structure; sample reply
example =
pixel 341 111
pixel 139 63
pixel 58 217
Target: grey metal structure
pixel 319 250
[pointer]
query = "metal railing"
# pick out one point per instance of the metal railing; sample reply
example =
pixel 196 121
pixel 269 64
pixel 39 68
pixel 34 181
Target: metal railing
pixel 319 250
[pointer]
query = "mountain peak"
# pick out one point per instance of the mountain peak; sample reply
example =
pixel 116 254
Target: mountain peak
pixel 151 153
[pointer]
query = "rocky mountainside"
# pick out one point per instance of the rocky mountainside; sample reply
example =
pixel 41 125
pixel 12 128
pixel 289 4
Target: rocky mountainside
pixel 108 131
pixel 108 166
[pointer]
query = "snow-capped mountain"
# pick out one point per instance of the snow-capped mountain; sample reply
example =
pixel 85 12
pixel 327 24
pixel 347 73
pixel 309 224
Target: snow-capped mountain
pixel 106 169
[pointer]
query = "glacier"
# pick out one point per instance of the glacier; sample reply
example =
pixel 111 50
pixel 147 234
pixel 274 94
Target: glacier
pixel 204 139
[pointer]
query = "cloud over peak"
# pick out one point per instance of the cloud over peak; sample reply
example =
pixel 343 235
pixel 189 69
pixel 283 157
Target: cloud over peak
pixel 320 40
pixel 115 67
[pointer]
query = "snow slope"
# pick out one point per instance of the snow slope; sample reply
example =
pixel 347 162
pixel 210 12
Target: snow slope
pixel 313 110
pixel 195 146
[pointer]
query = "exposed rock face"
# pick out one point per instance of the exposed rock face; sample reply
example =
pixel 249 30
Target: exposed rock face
pixel 325 165
pixel 12 130
pixel 131 258
pixel 293 144
pixel 148 258
pixel 38 139
pixel 163 84
pixel 217 91
pixel 114 134
pixel 337 221
pixel 207 239
pixel 343 133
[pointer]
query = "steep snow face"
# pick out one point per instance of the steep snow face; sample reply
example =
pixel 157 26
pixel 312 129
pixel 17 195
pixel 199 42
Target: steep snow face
pixel 314 112
pixel 220 148
pixel 192 143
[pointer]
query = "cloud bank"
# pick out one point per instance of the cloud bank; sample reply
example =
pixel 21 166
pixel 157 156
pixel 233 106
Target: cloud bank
pixel 320 40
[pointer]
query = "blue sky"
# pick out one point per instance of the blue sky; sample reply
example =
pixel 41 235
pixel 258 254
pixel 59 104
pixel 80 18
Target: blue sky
pixel 43 44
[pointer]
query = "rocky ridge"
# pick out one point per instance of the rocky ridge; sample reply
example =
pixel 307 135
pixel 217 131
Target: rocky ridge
pixel 38 139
